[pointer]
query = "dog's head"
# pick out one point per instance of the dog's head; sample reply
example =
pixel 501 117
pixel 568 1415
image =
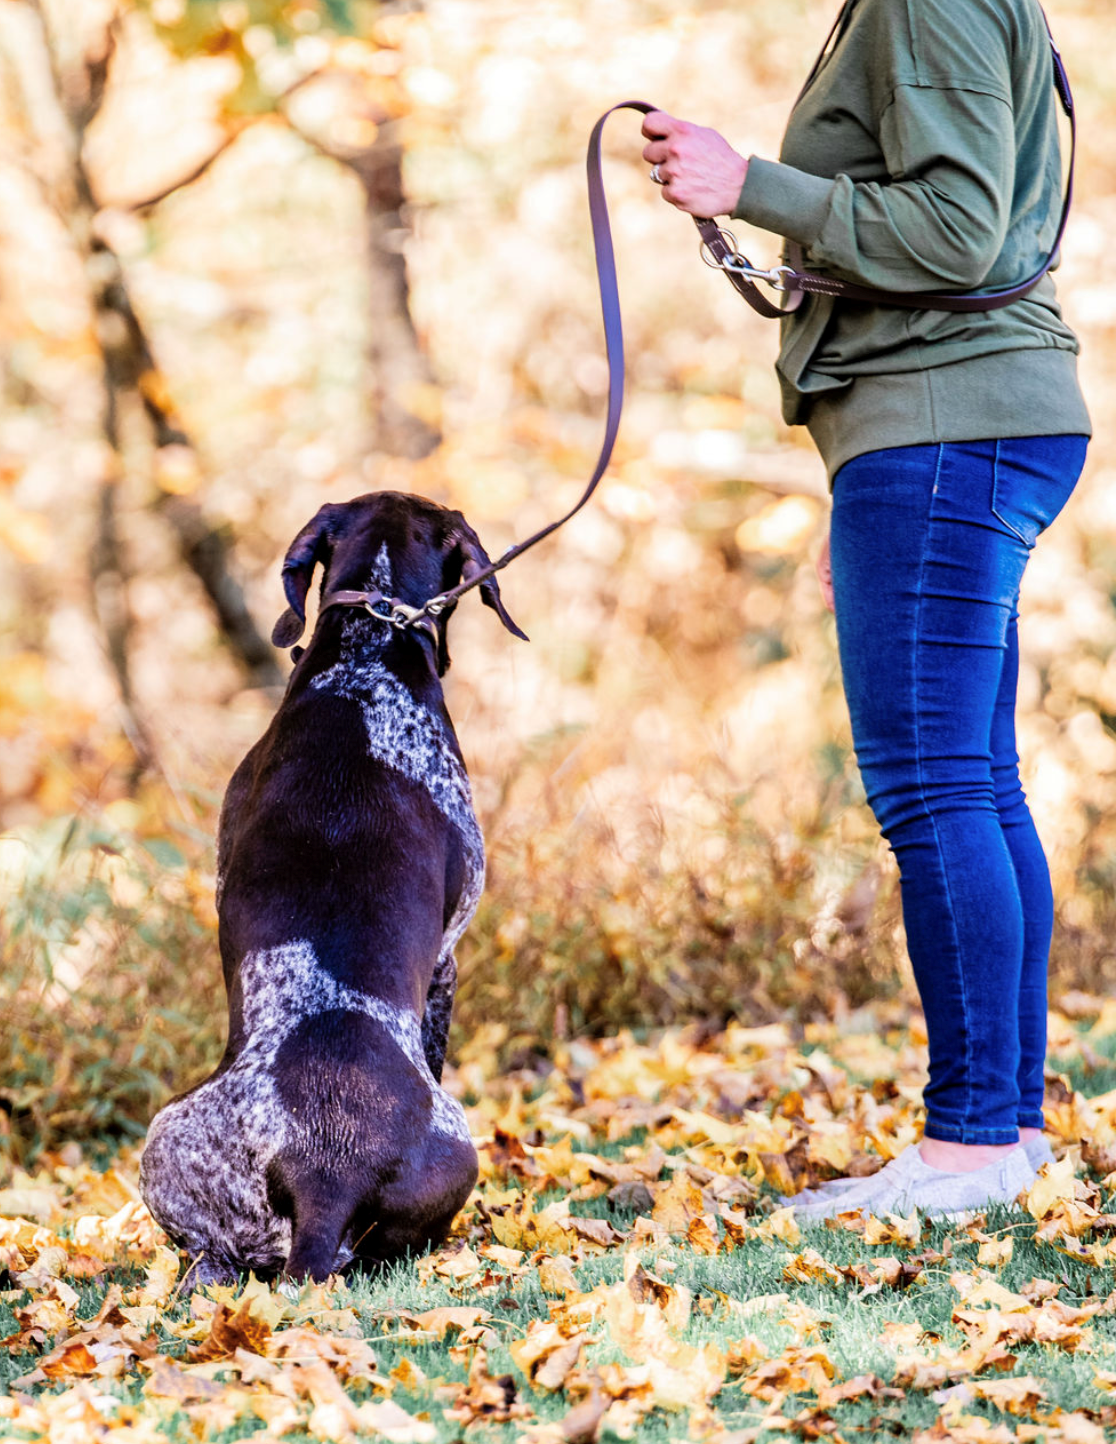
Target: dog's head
pixel 428 549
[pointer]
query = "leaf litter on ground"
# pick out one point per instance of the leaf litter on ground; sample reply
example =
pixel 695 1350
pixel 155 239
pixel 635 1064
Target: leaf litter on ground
pixel 623 1270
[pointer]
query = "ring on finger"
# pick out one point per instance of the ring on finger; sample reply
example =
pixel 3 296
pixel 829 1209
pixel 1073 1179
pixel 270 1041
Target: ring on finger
pixel 657 176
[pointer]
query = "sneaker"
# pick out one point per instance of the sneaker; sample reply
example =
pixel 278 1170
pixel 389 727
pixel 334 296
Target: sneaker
pixel 1038 1152
pixel 908 1183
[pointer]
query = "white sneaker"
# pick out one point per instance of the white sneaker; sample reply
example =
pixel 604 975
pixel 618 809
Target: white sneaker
pixel 1037 1149
pixel 908 1183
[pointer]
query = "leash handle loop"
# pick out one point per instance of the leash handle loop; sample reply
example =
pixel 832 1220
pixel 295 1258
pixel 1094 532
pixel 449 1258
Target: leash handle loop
pixel 798 283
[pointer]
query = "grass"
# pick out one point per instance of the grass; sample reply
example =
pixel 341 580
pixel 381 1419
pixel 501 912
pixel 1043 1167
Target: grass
pixel 720 1343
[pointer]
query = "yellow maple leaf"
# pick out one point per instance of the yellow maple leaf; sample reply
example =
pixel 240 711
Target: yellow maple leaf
pixel 548 1352
pixel 1055 1183
pixel 702 1235
pixel 893 1229
pixel 996 1252
pixel 556 1276
pixel 160 1277
pixel 678 1204
pixel 779 1225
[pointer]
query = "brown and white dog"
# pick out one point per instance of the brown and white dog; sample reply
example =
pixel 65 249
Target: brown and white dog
pixel 349 864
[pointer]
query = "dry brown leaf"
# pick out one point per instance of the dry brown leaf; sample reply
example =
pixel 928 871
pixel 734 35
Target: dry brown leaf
pixel 1023 1394
pixel 517 1225
pixel 387 1420
pixel 582 1424
pixel 893 1229
pixel 548 1353
pixel 702 1235
pixel 439 1322
pixel 556 1275
pixel 744 1353
pixel 485 1398
pixel 996 1252
pixel 168 1381
pixel 160 1277
pixel 229 1331
pixel 809 1267
pixel 793 1372
pixel 779 1225
pixel 1055 1183
pixel 675 1301
pixel 454 1263
pixel 861 1386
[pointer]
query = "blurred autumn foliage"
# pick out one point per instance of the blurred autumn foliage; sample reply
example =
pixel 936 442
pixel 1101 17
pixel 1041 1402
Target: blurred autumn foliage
pixel 258 255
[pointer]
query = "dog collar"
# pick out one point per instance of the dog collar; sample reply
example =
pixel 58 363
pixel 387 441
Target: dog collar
pixel 397 614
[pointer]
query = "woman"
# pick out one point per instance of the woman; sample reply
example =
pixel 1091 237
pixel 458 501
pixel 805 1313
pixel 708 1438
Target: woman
pixel 923 155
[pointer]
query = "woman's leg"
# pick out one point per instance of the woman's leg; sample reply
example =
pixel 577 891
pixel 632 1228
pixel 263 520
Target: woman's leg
pixel 922 609
pixel 1033 481
pixel 929 546
pixel 1033 878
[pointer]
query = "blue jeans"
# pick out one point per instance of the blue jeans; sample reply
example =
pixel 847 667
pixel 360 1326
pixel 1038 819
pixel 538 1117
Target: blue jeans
pixel 928 548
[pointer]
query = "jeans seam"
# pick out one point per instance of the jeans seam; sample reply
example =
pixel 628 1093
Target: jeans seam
pixel 995 501
pixel 922 790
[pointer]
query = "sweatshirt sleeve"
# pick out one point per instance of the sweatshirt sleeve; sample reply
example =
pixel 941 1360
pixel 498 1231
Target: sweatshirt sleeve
pixel 940 219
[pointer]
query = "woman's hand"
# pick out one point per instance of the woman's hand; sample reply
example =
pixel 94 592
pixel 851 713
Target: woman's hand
pixel 825 575
pixel 701 173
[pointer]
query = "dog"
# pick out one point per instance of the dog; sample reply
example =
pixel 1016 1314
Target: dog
pixel 349 864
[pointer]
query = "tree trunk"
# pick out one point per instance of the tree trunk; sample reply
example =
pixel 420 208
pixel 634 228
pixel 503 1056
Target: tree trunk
pixel 131 374
pixel 399 367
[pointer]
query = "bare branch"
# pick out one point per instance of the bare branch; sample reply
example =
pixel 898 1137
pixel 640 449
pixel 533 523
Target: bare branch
pixel 188 180
pixel 130 370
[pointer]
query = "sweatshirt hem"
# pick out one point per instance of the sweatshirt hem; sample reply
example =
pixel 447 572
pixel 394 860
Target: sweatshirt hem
pixel 982 398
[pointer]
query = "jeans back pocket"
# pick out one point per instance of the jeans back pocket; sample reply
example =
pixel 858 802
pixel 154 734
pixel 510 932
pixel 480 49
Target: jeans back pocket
pixel 1032 478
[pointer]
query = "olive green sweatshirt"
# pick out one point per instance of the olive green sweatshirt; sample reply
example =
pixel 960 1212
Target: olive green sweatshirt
pixel 924 155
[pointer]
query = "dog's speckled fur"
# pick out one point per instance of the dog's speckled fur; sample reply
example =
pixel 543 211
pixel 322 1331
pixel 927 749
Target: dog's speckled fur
pixel 350 865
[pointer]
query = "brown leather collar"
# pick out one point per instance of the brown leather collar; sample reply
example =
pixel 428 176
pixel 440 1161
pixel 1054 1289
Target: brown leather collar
pixel 397 614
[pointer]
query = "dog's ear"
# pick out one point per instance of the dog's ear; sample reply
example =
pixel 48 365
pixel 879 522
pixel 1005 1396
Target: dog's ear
pixel 308 548
pixel 474 559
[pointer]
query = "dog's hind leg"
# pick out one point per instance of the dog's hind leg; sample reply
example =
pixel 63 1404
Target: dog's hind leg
pixel 415 1210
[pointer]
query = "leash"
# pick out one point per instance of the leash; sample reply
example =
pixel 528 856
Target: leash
pixel 402 616
pixel 720 250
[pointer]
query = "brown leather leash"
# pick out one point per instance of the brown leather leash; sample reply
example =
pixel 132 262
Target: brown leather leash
pixel 719 249
pixel 402 616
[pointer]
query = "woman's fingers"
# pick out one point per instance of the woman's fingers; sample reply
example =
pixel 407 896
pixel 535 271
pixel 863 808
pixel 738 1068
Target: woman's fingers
pixel 657 124
pixel 699 171
pixel 659 128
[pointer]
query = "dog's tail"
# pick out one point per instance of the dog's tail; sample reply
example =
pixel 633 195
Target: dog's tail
pixel 320 1226
pixel 322 1207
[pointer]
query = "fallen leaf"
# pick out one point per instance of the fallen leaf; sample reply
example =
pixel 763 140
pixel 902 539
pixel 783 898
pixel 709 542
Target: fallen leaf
pixel 229 1331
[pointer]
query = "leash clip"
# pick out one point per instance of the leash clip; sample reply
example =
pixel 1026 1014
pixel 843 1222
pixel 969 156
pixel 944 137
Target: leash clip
pixel 400 615
pixel 738 263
